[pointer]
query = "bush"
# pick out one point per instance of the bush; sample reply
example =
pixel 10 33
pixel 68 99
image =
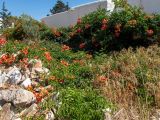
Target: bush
pixel 26 28
pixel 120 29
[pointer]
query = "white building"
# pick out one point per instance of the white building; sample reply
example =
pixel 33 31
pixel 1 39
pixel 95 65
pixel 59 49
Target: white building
pixel 70 17
pixel 0 22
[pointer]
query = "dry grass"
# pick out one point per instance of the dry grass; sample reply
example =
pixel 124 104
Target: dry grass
pixel 131 80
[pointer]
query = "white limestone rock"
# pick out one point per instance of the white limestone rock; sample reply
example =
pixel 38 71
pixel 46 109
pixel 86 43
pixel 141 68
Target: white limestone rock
pixel 19 97
pixel 14 76
pixel 26 83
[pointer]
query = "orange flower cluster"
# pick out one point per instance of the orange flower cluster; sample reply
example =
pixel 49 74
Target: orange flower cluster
pixel 25 51
pixel 3 41
pixel 52 78
pixel 24 62
pixel 57 33
pixel 79 62
pixel 48 56
pixel 79 30
pixel 65 63
pixel 104 24
pixel 82 45
pixel 65 47
pixel 41 94
pixel 102 78
pixel 7 59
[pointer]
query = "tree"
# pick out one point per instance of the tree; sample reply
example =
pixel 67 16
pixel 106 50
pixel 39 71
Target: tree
pixel 60 6
pixel 4 16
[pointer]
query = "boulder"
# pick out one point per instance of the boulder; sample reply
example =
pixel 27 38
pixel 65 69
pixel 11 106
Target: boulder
pixel 19 97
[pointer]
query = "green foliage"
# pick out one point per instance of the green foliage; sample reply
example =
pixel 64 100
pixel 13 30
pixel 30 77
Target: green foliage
pixel 59 7
pixel 26 28
pixel 81 105
pixel 101 30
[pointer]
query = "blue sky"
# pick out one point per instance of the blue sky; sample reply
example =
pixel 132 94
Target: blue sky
pixel 36 8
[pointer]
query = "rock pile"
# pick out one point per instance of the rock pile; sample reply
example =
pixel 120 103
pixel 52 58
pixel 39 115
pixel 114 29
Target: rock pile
pixel 14 93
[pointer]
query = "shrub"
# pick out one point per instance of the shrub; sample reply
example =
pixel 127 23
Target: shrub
pixel 26 28
pixel 112 31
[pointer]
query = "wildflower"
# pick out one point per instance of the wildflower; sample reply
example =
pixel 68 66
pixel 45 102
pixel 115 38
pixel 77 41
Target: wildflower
pixel 48 56
pixel 79 30
pixel 79 21
pixel 78 61
pixel 4 57
pixel 104 21
pixel 43 92
pixel 3 41
pixel 104 27
pixel 52 78
pixel 7 59
pixel 57 33
pixel 102 78
pixel 61 81
pixel 25 51
pixel 65 47
pixel 82 45
pixel 24 61
pixel 150 32
pixel 65 63
pixel 38 97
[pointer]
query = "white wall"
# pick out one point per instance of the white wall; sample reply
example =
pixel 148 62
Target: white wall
pixel 150 6
pixel 70 17
pixel 0 22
